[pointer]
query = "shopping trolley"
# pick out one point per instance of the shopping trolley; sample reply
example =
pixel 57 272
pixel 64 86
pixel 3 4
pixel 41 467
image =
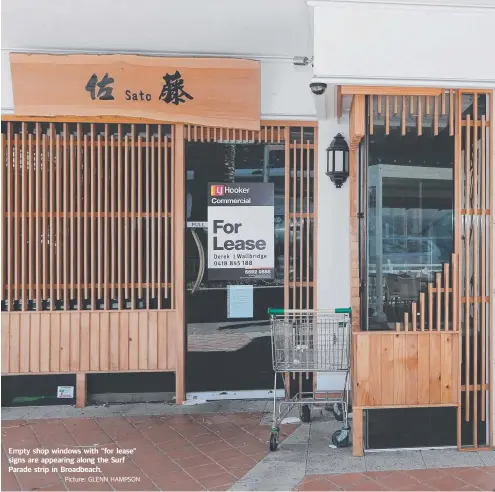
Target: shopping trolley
pixel 311 341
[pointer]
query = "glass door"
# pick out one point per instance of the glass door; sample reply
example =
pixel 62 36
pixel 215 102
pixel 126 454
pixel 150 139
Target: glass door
pixel 224 353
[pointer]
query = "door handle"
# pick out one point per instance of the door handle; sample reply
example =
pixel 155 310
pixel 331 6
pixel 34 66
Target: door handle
pixel 201 270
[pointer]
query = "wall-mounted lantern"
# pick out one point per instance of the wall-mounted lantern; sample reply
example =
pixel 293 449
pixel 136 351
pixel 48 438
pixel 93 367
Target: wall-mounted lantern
pixel 338 161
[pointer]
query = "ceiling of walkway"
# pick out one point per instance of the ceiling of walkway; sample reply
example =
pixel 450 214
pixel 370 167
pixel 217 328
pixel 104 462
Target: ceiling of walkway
pixel 278 28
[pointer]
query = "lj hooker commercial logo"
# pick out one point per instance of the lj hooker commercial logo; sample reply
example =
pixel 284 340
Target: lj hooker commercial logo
pixel 217 190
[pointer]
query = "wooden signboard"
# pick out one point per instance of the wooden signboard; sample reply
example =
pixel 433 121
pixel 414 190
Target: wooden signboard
pixel 203 91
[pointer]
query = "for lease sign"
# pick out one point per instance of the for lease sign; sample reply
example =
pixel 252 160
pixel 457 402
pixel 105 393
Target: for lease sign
pixel 240 231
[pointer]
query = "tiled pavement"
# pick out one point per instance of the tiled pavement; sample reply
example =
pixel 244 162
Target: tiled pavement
pixel 173 452
pixel 471 478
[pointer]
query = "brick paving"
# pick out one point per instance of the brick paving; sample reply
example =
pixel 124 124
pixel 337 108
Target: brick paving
pixel 467 478
pixel 173 452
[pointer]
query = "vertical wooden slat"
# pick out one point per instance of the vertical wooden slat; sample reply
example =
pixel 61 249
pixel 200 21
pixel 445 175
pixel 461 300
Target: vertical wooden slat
pixel 161 148
pixel 446 283
pixel 45 195
pixel 169 191
pixel 4 212
pixel 78 220
pixel 92 209
pixel 387 365
pixel 115 186
pixel 435 368
pixel 455 293
pixel 424 368
pixel 287 216
pixel 301 221
pixel 447 362
pixel 489 341
pixel 31 240
pixel 475 211
pixel 24 201
pixel 430 306
pixel 148 216
pixel 483 264
pixel 443 103
pixel 372 113
pixel 411 105
pixel 178 185
pixel 11 210
pixel 467 274
pixel 94 341
pixel 152 340
pixel 412 369
pixel 113 340
pixel 308 223
pixel 435 115
pixel 104 340
pixel 52 215
pixel 456 129
pixel 105 199
pixel 126 218
pixel 399 369
pixel 66 215
pixel 70 215
pixel 294 228
pixel 132 261
pixel 55 342
pixel 60 294
pixel 86 243
pixel 387 115
pixel 428 104
pixel 124 340
pixel 451 113
pixel 120 259
pixel 396 104
pixel 163 343
pixel 406 321
pixel 438 286
pixel 17 176
pixel 403 114
pixel 422 311
pixel 379 105
pixel 414 316
pixel 153 290
pixel 139 259
pixel 99 219
pixel 84 349
pixel 420 115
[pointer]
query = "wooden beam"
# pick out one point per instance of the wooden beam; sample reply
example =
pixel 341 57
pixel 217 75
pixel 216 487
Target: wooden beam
pixel 357 432
pixel 178 186
pixel 368 90
pixel 81 390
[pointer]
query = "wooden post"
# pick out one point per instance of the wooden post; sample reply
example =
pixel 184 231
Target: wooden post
pixel 178 164
pixel 81 394
pixel 357 432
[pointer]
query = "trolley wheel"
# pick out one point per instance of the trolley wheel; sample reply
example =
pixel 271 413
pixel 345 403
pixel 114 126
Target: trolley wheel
pixel 305 413
pixel 338 412
pixel 340 438
pixel 273 442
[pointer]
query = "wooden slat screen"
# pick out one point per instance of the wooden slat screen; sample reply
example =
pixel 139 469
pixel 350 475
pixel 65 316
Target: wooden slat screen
pixel 86 216
pixel 300 213
pixel 474 193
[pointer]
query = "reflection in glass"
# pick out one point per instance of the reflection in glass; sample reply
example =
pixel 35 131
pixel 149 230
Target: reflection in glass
pixel 409 215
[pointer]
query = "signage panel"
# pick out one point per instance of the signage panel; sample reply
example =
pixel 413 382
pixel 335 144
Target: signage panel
pixel 240 231
pixel 218 92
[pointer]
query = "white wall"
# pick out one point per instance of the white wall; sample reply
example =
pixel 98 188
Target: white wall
pixel 285 92
pixel 334 259
pixel 391 42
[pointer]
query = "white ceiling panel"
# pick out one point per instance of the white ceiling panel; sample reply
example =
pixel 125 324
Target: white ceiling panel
pixel 278 28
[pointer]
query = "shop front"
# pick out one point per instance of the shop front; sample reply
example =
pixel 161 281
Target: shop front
pixel 419 101
pixel 113 260
pixel 154 208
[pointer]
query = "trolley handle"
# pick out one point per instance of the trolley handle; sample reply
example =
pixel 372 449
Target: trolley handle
pixel 279 311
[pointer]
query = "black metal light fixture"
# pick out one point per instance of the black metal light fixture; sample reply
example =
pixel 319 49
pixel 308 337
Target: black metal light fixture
pixel 338 161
